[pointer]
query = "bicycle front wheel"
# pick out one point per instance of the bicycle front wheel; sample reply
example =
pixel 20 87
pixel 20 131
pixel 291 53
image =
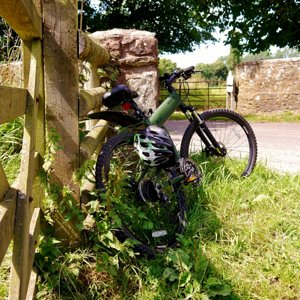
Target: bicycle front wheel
pixel 233 133
pixel 148 201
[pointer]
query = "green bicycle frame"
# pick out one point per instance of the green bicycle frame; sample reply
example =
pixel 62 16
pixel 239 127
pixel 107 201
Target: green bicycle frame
pixel 165 110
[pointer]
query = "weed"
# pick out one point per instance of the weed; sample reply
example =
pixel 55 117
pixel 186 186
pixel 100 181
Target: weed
pixel 241 242
pixel 11 135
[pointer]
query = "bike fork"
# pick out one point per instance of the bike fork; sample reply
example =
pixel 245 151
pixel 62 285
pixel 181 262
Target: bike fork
pixel 212 145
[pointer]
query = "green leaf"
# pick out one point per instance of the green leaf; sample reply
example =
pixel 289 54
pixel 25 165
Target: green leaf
pixel 216 287
pixel 170 274
pixel 148 225
pixel 185 277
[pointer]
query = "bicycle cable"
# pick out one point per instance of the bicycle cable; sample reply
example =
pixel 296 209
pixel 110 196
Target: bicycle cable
pixel 185 89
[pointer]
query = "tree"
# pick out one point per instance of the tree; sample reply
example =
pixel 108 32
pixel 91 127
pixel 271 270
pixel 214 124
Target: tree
pixel 254 26
pixel 166 66
pixel 286 53
pixel 215 71
pixel 256 57
pixel 233 59
pixel 179 25
pixel 251 26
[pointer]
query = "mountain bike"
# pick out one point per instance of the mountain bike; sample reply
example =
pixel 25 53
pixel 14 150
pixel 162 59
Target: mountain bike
pixel 150 201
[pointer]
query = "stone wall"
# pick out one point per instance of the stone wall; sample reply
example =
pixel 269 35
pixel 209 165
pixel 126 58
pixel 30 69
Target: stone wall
pixel 269 86
pixel 135 52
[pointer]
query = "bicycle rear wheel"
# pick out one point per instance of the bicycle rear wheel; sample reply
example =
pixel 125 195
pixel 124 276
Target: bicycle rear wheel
pixel 233 133
pixel 147 200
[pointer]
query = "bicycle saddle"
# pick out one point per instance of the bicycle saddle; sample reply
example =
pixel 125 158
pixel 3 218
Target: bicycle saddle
pixel 118 95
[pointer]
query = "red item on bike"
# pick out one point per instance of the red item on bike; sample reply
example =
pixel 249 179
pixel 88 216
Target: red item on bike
pixel 126 106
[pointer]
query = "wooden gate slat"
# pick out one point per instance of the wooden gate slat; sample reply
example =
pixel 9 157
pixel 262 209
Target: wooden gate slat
pixel 7 219
pixel 14 101
pixel 4 186
pixel 23 17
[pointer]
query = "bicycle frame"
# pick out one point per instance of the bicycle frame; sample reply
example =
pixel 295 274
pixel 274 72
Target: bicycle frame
pixel 165 110
pixel 168 107
pixel 161 115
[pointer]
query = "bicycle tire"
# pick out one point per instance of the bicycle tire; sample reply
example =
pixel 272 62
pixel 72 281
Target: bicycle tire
pixel 233 132
pixel 153 223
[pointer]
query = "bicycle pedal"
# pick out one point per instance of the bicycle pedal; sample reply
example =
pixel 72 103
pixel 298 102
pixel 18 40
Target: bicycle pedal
pixel 191 179
pixel 190 171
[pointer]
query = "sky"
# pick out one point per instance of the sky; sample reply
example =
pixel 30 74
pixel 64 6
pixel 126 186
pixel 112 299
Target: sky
pixel 203 54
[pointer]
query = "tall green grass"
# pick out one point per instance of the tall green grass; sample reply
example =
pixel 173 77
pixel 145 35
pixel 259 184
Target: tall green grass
pixel 11 135
pixel 241 242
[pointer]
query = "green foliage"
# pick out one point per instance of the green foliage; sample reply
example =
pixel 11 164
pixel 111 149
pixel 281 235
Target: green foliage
pixel 254 26
pixel 57 197
pixel 251 26
pixel 259 56
pixel 166 66
pixel 215 71
pixel 281 53
pixel 286 116
pixel 9 43
pixel 238 230
pixel 178 25
pixel 4 273
pixel 11 136
pixel 233 59
pixel 67 275
pixel 286 52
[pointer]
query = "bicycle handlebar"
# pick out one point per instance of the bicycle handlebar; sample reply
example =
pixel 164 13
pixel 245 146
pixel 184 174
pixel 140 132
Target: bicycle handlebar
pixel 185 73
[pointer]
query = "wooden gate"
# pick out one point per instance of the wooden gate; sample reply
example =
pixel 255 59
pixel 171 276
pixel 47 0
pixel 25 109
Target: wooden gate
pixel 48 100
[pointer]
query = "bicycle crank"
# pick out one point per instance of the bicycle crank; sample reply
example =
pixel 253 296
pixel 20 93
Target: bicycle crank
pixel 190 170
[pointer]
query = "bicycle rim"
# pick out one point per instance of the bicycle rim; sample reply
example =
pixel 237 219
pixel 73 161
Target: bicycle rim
pixel 234 134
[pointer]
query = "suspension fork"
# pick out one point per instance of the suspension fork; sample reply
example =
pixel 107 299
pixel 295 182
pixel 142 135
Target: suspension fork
pixel 205 134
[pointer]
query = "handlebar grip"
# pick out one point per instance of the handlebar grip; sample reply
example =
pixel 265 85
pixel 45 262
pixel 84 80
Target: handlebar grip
pixel 185 73
pixel 189 69
pixel 172 78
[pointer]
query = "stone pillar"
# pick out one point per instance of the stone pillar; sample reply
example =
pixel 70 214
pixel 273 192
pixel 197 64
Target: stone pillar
pixel 135 53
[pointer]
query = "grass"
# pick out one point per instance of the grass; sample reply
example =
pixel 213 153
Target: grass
pixel 242 242
pixel 250 234
pixel 10 147
pixel 11 135
pixel 287 116
pixel 201 95
pixel 4 274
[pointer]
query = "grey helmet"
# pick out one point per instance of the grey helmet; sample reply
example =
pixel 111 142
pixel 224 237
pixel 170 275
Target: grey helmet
pixel 155 146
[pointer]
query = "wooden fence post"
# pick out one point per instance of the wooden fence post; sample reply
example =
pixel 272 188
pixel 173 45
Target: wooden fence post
pixel 61 91
pixel 19 272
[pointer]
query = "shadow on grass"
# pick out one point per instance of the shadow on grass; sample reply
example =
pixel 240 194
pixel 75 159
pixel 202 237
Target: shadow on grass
pixel 187 272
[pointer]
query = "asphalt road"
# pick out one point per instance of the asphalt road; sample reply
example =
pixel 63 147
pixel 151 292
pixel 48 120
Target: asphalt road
pixel 278 143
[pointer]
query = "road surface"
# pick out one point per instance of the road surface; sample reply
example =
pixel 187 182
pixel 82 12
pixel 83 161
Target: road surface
pixel 278 143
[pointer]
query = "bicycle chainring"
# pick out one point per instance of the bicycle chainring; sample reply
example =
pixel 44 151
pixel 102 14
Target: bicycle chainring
pixel 190 170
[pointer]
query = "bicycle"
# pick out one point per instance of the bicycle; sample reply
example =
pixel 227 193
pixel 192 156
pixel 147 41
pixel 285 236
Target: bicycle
pixel 150 201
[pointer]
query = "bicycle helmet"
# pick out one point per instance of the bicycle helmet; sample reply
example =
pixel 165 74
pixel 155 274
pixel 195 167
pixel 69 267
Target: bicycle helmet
pixel 155 146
